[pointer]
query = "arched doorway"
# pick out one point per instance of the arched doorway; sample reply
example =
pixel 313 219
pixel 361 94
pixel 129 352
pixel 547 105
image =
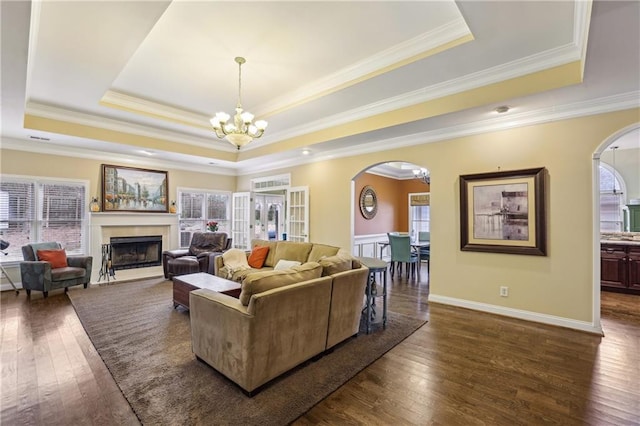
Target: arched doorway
pixel 626 140
pixel 392 182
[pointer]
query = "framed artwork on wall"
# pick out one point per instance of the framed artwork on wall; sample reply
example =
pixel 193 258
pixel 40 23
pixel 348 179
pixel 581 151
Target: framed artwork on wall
pixel 504 212
pixel 368 202
pixel 134 190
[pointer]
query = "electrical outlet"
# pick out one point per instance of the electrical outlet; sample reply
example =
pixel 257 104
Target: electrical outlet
pixel 504 291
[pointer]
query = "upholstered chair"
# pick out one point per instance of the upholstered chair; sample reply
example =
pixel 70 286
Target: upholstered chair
pixel 401 252
pixel 43 276
pixel 199 257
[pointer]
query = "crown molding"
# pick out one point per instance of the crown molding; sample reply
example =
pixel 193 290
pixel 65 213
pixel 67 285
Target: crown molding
pixel 61 114
pixel 556 113
pixel 564 112
pixel 533 63
pixel 143 106
pixel 50 148
pixel 384 61
pixel 373 65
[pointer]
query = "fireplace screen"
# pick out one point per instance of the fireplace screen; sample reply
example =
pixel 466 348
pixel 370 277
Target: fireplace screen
pixel 136 252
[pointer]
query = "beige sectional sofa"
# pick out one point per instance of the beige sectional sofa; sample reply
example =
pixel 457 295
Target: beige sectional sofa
pixel 283 317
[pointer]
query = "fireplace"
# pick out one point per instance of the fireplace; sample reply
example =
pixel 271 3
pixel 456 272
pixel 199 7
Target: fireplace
pixel 136 252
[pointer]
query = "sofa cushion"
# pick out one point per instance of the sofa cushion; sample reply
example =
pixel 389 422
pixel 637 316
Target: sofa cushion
pixel 57 258
pixel 322 250
pixel 258 256
pixel 290 250
pixel 342 261
pixel 334 264
pixel 271 256
pixel 67 273
pixel 286 264
pixel 266 280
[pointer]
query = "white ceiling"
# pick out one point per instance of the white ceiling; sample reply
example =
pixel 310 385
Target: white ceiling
pixel 145 77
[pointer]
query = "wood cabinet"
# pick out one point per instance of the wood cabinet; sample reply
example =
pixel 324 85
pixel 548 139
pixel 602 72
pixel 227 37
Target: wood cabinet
pixel 620 267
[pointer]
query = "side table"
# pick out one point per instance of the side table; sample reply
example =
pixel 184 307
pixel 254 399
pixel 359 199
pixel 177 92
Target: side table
pixel 375 266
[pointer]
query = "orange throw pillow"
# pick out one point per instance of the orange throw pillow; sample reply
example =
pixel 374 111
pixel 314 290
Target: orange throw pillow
pixel 57 258
pixel 258 256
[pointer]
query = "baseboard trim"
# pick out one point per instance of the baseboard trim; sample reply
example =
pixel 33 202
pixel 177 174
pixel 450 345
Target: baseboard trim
pixel 518 313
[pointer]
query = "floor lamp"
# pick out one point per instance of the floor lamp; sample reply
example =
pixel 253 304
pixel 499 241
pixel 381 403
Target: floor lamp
pixel 3 246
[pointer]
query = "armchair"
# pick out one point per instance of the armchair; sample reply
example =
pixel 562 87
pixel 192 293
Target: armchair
pixel 41 276
pixel 199 257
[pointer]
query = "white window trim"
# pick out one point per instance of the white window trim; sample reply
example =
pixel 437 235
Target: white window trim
pixel 86 221
pixel 205 191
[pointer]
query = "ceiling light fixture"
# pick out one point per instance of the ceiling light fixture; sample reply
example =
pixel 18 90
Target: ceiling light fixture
pixel 502 109
pixel 242 130
pixel 423 175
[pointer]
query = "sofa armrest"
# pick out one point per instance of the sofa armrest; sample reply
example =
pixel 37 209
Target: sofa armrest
pixel 35 275
pixel 175 253
pixel 84 262
pixel 221 333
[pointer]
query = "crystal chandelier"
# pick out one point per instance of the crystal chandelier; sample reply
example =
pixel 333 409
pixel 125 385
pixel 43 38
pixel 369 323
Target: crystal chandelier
pixel 241 131
pixel 422 174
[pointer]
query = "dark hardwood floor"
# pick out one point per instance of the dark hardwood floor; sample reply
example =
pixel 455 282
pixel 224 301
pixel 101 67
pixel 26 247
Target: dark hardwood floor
pixel 462 368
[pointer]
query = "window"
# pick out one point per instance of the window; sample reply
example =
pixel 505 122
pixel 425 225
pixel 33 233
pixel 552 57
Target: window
pixel 42 209
pixel 197 207
pixel 419 213
pixel 611 199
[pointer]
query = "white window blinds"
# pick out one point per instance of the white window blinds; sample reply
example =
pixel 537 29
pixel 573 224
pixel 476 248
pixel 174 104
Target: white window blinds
pixel 40 209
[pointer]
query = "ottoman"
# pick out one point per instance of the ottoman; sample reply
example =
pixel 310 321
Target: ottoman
pixel 183 265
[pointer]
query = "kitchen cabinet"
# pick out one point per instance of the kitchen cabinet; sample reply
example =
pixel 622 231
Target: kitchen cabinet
pixel 634 217
pixel 620 267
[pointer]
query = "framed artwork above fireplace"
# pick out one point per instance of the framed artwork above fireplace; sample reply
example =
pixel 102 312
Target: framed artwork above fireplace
pixel 132 189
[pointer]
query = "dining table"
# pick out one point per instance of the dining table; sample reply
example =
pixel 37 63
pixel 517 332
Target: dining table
pixel 415 245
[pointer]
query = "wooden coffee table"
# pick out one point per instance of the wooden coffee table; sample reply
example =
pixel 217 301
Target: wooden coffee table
pixel 184 284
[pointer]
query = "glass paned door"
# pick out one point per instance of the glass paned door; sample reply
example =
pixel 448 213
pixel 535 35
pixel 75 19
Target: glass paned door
pixel 242 220
pixel 298 217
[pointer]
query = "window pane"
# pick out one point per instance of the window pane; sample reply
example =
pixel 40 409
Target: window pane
pixel 199 207
pixel 42 210
pixel 62 202
pixel 191 205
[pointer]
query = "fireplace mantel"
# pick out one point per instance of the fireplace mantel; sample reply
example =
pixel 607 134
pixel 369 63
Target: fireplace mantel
pixel 105 225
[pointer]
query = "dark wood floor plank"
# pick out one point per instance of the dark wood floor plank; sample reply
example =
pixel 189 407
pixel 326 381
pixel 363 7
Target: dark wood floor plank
pixel 462 368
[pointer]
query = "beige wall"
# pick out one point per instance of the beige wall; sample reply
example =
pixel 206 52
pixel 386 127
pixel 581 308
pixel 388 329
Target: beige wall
pixel 560 284
pixel 33 164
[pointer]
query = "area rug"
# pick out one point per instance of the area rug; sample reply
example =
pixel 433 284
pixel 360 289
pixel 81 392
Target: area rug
pixel 146 345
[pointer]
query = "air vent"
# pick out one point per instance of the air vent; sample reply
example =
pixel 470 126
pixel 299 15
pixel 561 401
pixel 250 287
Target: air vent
pixel 39 138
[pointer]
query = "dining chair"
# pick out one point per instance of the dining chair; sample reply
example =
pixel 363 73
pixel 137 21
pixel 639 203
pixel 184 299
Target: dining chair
pixel 401 252
pixel 425 252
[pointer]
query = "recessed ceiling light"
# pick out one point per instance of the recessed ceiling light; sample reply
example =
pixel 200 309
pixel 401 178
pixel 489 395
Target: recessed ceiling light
pixel 306 152
pixel 502 109
pixel 147 152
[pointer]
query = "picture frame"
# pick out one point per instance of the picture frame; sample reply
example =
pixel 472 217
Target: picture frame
pixel 131 189
pixel 504 212
pixel 368 202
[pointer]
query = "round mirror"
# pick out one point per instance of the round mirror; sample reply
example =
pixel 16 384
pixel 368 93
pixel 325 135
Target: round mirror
pixel 368 202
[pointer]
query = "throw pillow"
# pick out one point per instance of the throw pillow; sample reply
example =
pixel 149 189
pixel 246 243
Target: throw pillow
pixel 258 256
pixel 57 258
pixel 286 264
